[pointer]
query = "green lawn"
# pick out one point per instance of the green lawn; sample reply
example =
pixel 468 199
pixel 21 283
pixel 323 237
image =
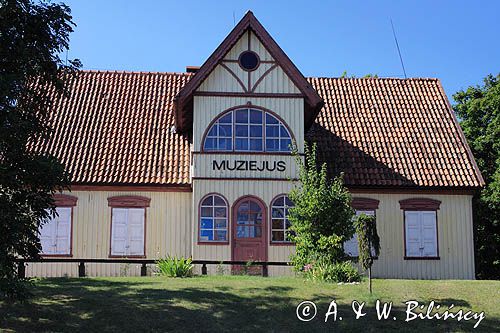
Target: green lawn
pixel 223 303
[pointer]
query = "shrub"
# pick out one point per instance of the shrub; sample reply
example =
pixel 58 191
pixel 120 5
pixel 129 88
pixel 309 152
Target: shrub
pixel 175 267
pixel 321 219
pixel 332 272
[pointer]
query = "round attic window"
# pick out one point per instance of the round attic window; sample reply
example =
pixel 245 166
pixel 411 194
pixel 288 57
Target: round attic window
pixel 249 60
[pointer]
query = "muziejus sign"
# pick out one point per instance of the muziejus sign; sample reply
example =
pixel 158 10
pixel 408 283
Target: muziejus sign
pixel 242 165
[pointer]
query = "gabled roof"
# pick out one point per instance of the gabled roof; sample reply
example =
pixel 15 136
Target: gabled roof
pixel 183 101
pixel 391 132
pixel 115 128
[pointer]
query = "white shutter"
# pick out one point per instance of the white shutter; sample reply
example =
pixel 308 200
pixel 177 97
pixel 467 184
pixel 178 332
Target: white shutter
pixel 135 231
pixel 413 233
pixel 429 234
pixel 63 231
pixel 351 246
pixel 119 231
pixel 47 236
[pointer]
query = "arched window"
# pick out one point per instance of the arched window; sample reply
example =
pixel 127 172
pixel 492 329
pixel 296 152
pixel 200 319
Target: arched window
pixel 248 129
pixel 213 219
pixel 280 224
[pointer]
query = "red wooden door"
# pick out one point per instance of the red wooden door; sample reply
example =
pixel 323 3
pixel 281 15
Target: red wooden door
pixel 249 230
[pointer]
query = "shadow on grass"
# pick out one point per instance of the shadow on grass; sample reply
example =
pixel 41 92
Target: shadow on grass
pixel 151 305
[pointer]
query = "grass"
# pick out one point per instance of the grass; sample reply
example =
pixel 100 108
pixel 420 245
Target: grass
pixel 224 303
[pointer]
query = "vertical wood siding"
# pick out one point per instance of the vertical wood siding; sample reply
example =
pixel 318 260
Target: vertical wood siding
pixel 276 81
pixel 455 242
pixel 168 231
pixel 232 190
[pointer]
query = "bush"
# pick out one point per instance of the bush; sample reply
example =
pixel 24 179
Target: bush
pixel 321 218
pixel 175 267
pixel 332 272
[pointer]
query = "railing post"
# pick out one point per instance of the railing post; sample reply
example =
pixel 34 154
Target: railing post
pixel 21 269
pixel 204 269
pixel 264 270
pixel 144 270
pixel 81 269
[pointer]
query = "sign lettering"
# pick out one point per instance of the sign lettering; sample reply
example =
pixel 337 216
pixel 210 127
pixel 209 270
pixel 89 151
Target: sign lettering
pixel 242 165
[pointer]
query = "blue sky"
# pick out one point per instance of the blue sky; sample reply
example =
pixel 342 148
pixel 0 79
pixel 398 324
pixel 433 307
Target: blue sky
pixel 452 40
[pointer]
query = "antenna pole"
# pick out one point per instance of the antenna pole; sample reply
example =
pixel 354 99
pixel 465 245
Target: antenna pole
pixel 234 19
pixel 399 51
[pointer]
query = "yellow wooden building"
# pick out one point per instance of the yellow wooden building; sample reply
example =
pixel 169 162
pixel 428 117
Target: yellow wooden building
pixel 198 164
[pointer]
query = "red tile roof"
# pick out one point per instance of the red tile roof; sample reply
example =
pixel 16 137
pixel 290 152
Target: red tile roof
pixel 116 128
pixel 391 132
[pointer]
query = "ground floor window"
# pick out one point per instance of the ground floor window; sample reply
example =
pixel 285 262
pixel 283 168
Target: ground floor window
pixel 351 246
pixel 213 219
pixel 55 233
pixel 421 234
pixel 280 224
pixel 127 231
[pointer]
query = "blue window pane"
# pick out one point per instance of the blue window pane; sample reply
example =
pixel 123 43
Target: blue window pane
pixel 272 144
pixel 256 144
pixel 242 232
pixel 242 116
pixel 280 201
pixel 285 144
pixel 207 235
pixel 220 223
pixel 209 201
pixel 225 144
pixel 213 131
pixel 220 211
pixel 218 201
pixel 271 120
pixel 278 212
pixel 207 212
pixel 241 144
pixel 283 132
pixel 241 130
pixel 210 144
pixel 225 130
pixel 256 131
pixel 206 224
pixel 272 131
pixel 226 119
pixel 256 117
pixel 221 235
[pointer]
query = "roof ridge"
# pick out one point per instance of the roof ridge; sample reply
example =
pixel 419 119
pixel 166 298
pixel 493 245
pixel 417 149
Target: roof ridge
pixel 375 78
pixel 110 71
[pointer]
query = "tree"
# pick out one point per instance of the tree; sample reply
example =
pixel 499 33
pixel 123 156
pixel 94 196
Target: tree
pixel 368 243
pixel 32 36
pixel 321 218
pixel 478 109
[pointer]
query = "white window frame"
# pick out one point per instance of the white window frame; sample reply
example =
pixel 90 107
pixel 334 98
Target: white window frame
pixel 419 233
pixel 127 211
pixel 50 233
pixel 214 229
pixel 283 134
pixel 283 220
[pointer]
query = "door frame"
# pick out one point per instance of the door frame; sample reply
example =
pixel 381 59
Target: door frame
pixel 234 213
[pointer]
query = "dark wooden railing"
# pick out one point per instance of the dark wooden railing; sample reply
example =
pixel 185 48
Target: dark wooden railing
pixel 21 268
